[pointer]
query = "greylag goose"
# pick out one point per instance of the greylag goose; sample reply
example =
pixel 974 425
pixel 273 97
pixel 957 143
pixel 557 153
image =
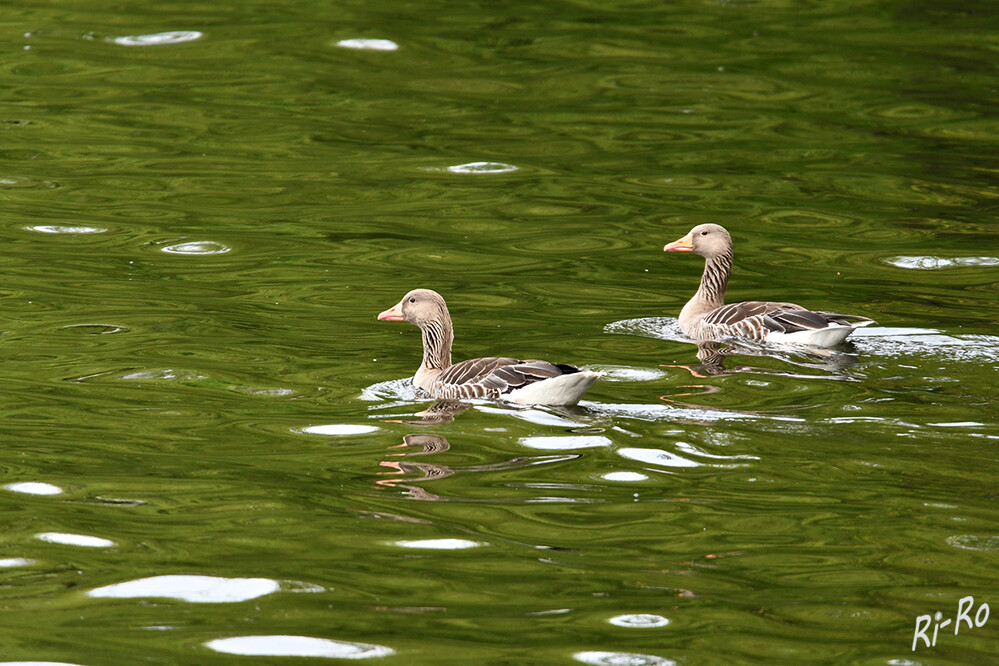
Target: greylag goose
pixel 706 317
pixel 522 382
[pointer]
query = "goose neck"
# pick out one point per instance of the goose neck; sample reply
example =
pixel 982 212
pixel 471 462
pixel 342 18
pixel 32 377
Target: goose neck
pixel 714 280
pixel 437 339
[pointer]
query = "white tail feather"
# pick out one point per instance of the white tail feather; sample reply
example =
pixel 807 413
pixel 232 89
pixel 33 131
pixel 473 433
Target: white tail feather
pixel 829 336
pixel 561 390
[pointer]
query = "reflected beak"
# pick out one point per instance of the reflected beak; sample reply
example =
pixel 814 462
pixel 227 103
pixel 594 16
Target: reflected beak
pixel 685 244
pixel 394 313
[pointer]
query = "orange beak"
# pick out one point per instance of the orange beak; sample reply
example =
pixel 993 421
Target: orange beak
pixel 685 244
pixel 394 313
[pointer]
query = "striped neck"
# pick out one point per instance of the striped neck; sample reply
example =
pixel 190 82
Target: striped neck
pixel 437 339
pixel 714 280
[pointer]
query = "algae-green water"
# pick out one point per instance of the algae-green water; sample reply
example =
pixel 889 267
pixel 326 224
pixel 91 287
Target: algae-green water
pixel 209 453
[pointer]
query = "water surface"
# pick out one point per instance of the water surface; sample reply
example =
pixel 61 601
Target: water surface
pixel 210 449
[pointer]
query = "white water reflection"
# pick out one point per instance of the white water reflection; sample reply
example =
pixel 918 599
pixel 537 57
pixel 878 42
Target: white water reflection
pixel 934 263
pixel 7 182
pixel 624 476
pixel 597 658
pixel 533 415
pixel 392 389
pixel 438 544
pixel 65 229
pixel 664 328
pixel 690 449
pixel 197 247
pixel 399 393
pixel 482 167
pixel 34 488
pixel 639 621
pixel 9 562
pixel 159 38
pixel 663 458
pixel 657 457
pixel 927 342
pixel 96 329
pixel 36 663
pixel 75 540
pixel 663 412
pixel 195 589
pixel 297 646
pixel 565 442
pixel 624 373
pixel 168 374
pixel 957 424
pixel 340 429
pixel 368 44
pixel 973 542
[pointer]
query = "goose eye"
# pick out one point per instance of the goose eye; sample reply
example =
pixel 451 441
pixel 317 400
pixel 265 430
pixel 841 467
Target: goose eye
pixel 413 299
pixel 704 233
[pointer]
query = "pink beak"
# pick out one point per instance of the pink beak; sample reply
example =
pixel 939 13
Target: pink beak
pixel 394 313
pixel 685 244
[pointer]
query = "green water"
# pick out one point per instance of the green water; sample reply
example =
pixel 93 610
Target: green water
pixel 199 230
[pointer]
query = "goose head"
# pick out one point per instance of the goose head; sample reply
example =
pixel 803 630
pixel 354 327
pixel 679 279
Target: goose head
pixel 420 307
pixel 706 240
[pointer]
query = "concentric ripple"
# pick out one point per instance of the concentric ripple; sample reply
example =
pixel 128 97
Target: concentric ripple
pixel 197 247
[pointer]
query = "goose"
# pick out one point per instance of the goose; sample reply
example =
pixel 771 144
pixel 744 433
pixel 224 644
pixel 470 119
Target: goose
pixel 706 317
pixel 497 378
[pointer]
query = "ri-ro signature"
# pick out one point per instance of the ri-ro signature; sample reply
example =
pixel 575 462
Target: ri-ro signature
pixel 964 606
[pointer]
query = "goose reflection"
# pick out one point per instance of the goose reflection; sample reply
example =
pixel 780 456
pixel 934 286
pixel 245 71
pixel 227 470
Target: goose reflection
pixel 418 444
pixel 439 413
pixel 827 364
pixel 406 474
pixel 712 355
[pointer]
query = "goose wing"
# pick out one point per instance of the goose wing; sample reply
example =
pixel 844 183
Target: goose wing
pixel 757 319
pixel 491 377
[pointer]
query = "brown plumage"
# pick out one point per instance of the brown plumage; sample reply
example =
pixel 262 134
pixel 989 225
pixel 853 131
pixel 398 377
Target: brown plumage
pixel 525 382
pixel 706 317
